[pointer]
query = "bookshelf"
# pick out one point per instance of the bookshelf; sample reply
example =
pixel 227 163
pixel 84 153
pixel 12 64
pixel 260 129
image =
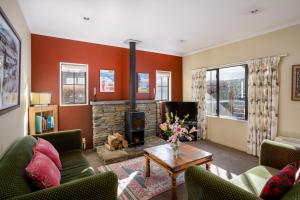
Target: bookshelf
pixel 47 118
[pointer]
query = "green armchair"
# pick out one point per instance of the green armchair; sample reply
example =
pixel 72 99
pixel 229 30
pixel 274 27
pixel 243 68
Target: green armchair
pixel 78 179
pixel 203 185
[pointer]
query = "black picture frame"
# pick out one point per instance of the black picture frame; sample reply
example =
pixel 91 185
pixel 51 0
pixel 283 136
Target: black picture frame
pixel 295 83
pixel 10 65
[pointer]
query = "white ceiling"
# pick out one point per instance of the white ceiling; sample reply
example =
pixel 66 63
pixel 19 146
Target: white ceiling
pixel 159 24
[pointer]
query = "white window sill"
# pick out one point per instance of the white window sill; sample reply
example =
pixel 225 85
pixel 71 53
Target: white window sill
pixel 68 105
pixel 227 118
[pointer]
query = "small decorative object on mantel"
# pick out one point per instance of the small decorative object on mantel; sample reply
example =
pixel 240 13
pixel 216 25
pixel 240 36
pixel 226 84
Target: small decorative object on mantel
pixel 174 129
pixel 10 62
pixel 296 83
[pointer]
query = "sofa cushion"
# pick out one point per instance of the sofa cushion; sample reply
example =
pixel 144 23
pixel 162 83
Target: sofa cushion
pixel 280 183
pixel 42 171
pixel 48 149
pixel 74 166
pixel 254 179
pixel 12 174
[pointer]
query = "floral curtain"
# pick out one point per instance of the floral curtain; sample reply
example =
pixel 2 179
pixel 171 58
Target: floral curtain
pixel 263 90
pixel 199 95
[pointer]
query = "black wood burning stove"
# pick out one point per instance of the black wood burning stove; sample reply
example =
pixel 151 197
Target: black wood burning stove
pixel 134 120
pixel 134 128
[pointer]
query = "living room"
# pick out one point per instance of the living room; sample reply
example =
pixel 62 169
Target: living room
pixel 121 100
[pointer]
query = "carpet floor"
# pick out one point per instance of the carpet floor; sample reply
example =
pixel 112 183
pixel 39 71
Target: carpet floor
pixel 229 162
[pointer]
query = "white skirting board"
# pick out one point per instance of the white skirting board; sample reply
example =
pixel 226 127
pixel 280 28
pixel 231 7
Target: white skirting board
pixel 288 140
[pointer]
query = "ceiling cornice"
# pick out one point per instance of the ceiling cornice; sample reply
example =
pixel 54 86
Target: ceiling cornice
pixel 243 38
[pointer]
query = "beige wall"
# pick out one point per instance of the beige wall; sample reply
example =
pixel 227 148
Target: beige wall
pixel 233 132
pixel 14 123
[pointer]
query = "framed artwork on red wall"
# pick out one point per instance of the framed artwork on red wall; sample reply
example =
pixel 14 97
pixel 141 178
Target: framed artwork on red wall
pixel 143 83
pixel 107 80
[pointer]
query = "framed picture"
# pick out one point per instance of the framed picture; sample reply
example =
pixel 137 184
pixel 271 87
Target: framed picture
pixel 10 62
pixel 107 80
pixel 143 83
pixel 296 83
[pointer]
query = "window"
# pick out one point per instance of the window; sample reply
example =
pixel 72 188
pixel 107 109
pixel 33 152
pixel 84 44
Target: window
pixel 163 86
pixel 73 84
pixel 227 92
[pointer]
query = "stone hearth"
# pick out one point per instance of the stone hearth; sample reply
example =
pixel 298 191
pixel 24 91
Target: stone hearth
pixel 109 117
pixel 128 153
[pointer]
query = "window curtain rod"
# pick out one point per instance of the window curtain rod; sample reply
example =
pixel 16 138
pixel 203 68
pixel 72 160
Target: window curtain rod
pixel 237 63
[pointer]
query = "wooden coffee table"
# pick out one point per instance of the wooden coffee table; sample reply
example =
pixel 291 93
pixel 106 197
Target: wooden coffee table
pixel 188 155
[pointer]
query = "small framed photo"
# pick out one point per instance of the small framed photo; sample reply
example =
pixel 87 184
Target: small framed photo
pixel 296 83
pixel 107 80
pixel 143 83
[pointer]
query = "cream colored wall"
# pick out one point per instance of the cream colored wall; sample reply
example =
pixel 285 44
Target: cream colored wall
pixel 232 132
pixel 14 123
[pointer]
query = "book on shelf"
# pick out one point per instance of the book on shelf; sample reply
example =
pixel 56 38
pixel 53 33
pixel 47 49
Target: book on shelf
pixel 43 124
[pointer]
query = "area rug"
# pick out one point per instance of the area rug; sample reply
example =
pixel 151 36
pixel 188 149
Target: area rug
pixel 132 181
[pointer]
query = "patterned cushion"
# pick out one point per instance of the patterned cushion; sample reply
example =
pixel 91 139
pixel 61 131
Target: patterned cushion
pixel 42 171
pixel 298 175
pixel 280 183
pixel 48 149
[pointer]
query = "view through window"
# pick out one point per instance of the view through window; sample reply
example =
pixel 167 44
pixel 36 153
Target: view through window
pixel 73 84
pixel 163 82
pixel 227 92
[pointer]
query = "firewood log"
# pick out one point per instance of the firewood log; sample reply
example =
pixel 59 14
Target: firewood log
pixel 119 137
pixel 120 146
pixel 124 143
pixel 112 141
pixel 110 148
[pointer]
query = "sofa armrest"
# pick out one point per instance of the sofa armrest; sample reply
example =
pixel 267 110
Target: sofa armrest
pixel 64 140
pixel 277 155
pixel 102 186
pixel 203 185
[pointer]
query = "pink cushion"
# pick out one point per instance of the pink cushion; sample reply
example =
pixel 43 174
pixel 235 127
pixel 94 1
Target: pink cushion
pixel 48 149
pixel 298 175
pixel 42 171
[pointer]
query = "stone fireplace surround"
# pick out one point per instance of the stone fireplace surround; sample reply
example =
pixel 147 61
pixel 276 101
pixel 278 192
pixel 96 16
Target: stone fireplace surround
pixel 109 117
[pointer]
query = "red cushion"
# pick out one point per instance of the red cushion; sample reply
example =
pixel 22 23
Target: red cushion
pixel 42 171
pixel 48 149
pixel 280 183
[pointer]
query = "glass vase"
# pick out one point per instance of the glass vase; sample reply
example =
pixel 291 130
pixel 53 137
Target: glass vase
pixel 175 148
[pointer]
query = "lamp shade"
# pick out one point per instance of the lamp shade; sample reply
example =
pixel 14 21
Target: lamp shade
pixel 40 98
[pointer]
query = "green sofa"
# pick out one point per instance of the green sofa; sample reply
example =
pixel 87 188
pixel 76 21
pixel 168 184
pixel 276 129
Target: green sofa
pixel 78 179
pixel 203 185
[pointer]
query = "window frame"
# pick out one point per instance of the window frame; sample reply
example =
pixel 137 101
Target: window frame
pixel 169 74
pixel 86 84
pixel 218 93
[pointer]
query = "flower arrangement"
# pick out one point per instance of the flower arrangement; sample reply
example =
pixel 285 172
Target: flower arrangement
pixel 174 129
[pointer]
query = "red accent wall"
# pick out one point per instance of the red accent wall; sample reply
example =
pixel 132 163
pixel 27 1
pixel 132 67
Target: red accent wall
pixel 48 52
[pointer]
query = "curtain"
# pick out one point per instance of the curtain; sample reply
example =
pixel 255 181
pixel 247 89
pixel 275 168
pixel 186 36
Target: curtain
pixel 263 90
pixel 199 95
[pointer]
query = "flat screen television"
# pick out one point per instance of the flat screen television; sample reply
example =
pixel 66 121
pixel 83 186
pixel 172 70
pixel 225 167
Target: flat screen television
pixel 183 108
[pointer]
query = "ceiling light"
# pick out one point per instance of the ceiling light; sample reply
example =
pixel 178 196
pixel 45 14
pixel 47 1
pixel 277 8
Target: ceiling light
pixel 86 18
pixel 254 11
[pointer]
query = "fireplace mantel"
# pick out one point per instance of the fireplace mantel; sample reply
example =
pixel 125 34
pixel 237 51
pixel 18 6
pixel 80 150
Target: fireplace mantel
pixel 116 102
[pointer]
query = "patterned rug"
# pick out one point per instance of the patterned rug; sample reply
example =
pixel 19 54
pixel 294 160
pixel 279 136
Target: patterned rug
pixel 132 181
